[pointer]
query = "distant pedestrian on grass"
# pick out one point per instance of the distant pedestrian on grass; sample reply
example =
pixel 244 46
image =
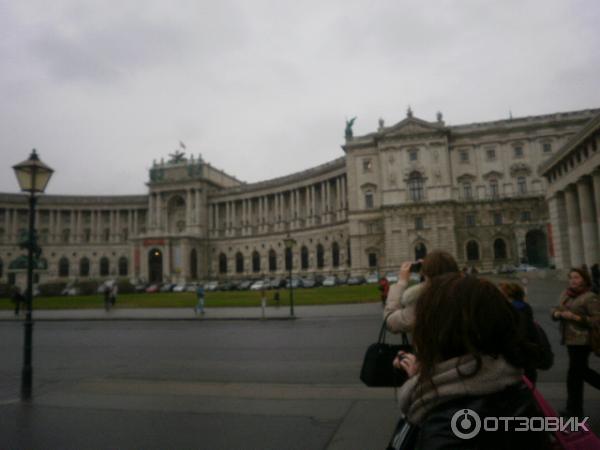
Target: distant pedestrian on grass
pixel 17 299
pixel 106 292
pixel 199 308
pixel 384 288
pixel 114 291
pixel 277 298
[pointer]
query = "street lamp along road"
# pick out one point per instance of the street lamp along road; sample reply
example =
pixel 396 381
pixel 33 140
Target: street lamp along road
pixel 289 244
pixel 33 176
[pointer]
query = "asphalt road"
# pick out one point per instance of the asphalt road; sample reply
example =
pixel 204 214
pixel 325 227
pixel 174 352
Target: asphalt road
pixel 213 385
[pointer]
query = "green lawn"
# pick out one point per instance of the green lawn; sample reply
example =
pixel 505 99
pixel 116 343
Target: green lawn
pixel 316 296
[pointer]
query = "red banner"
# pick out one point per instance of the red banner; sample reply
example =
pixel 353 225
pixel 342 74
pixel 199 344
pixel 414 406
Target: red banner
pixel 149 242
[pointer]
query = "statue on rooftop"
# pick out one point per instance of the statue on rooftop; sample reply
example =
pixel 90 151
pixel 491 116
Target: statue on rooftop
pixel 349 124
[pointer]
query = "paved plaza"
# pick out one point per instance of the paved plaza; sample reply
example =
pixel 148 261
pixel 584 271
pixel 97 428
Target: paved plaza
pixel 158 379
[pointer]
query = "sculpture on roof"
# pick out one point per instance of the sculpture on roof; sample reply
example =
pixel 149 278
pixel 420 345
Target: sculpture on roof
pixel 409 112
pixel 349 124
pixel 177 157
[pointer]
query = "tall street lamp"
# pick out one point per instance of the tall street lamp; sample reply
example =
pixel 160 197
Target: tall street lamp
pixel 33 176
pixel 289 243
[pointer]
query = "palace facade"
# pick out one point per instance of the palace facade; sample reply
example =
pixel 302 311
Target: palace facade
pixel 475 190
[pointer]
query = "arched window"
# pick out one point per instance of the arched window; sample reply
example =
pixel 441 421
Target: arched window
pixel 123 269
pixel 335 254
pixel 63 267
pixel 304 258
pixel 104 266
pixel 222 263
pixel 288 259
pixel 499 249
pixel 255 262
pixel 415 187
pixel 194 264
pixel 84 267
pixel 320 256
pixel 521 185
pixel 420 251
pixel 472 251
pixel 239 263
pixel 272 261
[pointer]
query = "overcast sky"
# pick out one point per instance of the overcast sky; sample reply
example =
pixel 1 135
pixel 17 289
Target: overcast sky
pixel 262 88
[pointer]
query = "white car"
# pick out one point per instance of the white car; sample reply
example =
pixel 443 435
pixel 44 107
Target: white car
pixel 392 277
pixel 211 286
pixel 260 285
pixel 179 288
pixel 329 281
pixel 526 268
pixel 372 278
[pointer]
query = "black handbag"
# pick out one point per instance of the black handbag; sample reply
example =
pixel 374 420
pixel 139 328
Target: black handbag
pixel 404 437
pixel 377 369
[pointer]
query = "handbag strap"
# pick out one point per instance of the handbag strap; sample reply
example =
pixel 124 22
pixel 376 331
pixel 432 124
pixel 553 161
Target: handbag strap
pixel 382 332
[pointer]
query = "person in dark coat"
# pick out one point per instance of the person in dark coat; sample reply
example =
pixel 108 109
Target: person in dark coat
pixel 473 361
pixel 17 298
pixel 596 278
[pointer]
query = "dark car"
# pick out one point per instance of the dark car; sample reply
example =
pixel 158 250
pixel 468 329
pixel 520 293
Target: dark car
pixel 343 279
pixel 245 285
pixel 167 287
pixel 355 281
pixel 227 286
pixel 141 287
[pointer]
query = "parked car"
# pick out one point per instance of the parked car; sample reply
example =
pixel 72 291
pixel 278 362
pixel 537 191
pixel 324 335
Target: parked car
pixel 228 286
pixel 296 283
pixel 308 282
pixel 506 268
pixel 179 287
pixel 277 283
pixel 211 286
pixel 392 277
pixel 343 279
pixel 70 289
pixel 372 278
pixel 526 268
pixel 167 287
pixel 153 288
pixel 191 287
pixel 244 285
pixel 260 285
pixel 354 281
pixel 329 281
pixel 141 287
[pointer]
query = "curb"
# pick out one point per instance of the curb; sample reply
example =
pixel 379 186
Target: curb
pixel 153 319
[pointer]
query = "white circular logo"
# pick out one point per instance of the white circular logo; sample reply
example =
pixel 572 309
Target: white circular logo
pixel 465 424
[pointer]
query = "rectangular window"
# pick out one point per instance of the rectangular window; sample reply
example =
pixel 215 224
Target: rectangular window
pixel 497 218
pixel 494 189
pixel 419 223
pixel 525 216
pixel 467 191
pixel 547 147
pixel 521 185
pixel 369 200
pixel 518 151
pixel 413 155
pixel 470 220
pixel 490 154
pixel 367 165
pixel 464 156
pixel 372 260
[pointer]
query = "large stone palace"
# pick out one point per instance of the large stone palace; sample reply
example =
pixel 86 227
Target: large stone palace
pixel 475 190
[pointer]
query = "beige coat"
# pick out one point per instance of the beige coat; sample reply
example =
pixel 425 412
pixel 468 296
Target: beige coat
pixel 587 305
pixel 400 306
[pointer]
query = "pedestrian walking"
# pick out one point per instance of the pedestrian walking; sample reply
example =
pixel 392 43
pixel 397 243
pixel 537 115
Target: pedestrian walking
pixel 199 308
pixel 114 291
pixel 106 292
pixel 17 298
pixel 277 297
pixel 577 310
pixel 384 288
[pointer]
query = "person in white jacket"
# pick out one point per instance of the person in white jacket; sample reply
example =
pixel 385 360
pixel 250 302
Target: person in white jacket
pixel 401 300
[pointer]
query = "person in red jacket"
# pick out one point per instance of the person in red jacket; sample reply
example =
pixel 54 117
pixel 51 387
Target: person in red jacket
pixel 384 287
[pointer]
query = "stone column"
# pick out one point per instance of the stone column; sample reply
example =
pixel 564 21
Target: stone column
pixel 260 214
pixel 560 232
pixel 589 227
pixel 7 228
pixel 158 208
pixel 574 226
pixel 233 216
pixel 217 208
pixel 596 183
pixel 338 205
pixel 72 226
pixel 151 211
pixel 118 225
pixel 198 203
pixel 135 223
pixel 188 207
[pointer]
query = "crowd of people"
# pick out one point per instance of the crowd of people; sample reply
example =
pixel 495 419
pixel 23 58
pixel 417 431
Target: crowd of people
pixel 476 346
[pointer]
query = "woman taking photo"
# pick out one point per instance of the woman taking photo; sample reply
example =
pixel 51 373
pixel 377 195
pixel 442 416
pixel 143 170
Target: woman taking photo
pixel 578 308
pixel 469 356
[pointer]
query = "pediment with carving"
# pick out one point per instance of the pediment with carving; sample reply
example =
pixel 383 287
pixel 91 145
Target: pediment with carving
pixel 492 174
pixel 466 178
pixel 520 169
pixel 413 126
